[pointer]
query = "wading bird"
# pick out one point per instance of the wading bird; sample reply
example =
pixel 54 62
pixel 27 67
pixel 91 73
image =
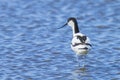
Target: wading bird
pixel 80 43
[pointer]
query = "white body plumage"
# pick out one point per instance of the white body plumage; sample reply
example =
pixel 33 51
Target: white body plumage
pixel 78 47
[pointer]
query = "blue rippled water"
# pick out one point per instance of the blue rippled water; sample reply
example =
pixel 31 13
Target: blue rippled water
pixel 32 47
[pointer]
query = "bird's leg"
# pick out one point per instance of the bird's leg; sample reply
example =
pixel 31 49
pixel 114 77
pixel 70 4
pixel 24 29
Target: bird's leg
pixel 83 61
pixel 77 58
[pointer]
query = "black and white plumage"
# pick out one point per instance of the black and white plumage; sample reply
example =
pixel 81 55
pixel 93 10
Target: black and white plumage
pixel 80 43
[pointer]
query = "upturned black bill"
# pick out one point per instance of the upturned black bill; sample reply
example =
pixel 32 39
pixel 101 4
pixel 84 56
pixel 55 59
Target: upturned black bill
pixel 63 25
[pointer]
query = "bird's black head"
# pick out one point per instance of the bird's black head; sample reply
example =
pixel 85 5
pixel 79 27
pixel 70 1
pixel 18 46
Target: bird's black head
pixel 72 19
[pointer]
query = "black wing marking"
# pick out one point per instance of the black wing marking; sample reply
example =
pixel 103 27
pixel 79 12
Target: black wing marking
pixel 76 44
pixel 82 38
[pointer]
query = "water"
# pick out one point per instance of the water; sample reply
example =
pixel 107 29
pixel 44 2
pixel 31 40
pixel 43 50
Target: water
pixel 32 48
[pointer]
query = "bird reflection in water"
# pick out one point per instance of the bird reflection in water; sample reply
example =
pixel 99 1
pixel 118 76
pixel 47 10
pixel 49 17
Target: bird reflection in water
pixel 80 73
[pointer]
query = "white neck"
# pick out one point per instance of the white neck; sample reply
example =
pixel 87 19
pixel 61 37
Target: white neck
pixel 72 25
